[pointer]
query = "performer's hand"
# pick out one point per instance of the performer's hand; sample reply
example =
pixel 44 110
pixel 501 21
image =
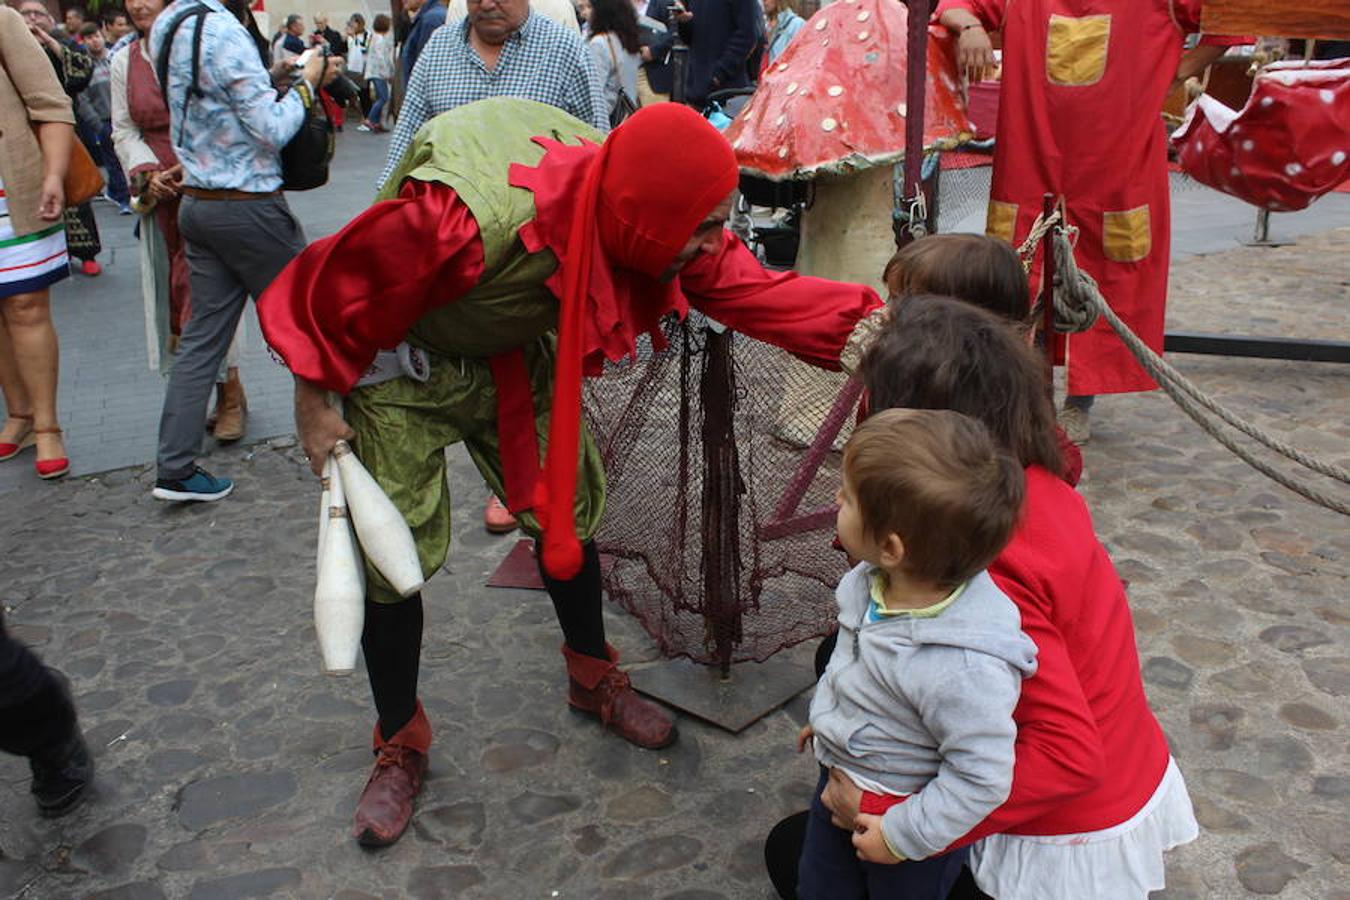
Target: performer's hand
pixel 974 53
pixel 804 738
pixel 842 798
pixel 318 425
pixel 52 200
pixel 869 843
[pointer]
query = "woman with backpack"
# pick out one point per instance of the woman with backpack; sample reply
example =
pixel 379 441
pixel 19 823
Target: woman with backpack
pixel 616 45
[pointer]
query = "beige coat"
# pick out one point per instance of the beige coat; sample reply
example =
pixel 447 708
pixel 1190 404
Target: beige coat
pixel 29 92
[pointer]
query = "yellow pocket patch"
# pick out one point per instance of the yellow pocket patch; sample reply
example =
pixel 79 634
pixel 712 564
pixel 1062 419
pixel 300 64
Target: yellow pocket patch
pixel 1075 49
pixel 1127 236
pixel 1001 220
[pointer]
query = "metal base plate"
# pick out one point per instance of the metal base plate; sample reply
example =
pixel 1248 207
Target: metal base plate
pixel 518 568
pixel 752 691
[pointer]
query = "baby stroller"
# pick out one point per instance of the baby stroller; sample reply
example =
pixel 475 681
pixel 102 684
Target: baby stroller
pixel 773 235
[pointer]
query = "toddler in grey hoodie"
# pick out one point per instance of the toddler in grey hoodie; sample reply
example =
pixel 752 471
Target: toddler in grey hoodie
pixel 916 703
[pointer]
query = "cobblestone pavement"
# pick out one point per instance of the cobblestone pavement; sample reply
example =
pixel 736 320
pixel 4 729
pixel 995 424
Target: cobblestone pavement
pixel 229 767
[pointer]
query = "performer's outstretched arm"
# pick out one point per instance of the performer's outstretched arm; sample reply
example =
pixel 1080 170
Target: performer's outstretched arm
pixel 354 293
pixel 810 317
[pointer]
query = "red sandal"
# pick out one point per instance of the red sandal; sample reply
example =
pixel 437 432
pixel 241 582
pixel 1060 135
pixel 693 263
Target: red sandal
pixel 48 469
pixel 26 439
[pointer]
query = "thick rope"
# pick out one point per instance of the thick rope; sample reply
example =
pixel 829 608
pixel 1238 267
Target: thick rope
pixel 1074 287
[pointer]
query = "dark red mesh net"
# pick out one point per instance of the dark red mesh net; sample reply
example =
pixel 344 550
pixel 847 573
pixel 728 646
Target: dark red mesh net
pixel 747 413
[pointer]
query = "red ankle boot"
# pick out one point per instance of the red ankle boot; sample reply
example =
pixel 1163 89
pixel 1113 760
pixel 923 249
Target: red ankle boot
pixel 597 687
pixel 386 804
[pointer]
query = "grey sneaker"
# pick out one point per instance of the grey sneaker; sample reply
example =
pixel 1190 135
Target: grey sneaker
pixel 1076 423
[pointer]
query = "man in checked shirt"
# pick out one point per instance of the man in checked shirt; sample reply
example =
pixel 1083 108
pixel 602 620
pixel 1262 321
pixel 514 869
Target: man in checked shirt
pixel 502 49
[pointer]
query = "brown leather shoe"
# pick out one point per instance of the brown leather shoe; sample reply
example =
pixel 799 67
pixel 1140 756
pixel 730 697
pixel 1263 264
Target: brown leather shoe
pixel 386 804
pixel 231 409
pixel 597 687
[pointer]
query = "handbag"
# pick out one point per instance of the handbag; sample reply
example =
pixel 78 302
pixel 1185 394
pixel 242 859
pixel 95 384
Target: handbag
pixel 83 178
pixel 623 107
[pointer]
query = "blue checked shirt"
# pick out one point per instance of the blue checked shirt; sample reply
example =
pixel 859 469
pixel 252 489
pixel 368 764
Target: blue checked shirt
pixel 542 61
pixel 232 135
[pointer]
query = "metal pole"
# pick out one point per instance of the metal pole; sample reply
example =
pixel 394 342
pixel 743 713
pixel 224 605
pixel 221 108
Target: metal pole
pixel 915 88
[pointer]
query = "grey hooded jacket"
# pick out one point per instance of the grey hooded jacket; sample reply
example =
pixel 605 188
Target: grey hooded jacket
pixel 924 707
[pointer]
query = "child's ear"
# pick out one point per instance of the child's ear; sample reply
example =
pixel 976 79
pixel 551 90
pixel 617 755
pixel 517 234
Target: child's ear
pixel 892 551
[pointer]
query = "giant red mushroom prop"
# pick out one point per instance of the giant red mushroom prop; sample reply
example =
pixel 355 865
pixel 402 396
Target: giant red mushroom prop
pixel 832 109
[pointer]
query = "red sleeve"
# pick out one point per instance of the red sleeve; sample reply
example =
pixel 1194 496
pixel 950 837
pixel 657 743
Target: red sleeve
pixel 349 295
pixel 810 317
pixel 1071 456
pixel 989 12
pixel 1059 752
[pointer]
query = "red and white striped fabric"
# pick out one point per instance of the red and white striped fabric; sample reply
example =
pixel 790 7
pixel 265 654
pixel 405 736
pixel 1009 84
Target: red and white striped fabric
pixel 31 262
pixel 1288 145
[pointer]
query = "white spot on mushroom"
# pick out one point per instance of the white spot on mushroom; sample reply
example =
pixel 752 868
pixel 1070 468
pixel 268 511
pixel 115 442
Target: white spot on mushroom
pixel 737 144
pixel 1267 101
pixel 792 88
pixel 781 119
pixel 1293 169
pixel 825 42
pixel 1324 95
pixel 1249 146
pixel 1235 171
pixel 821 25
pixel 864 35
pixel 864 16
pixel 782 153
pixel 835 90
pixel 902 109
pixel 1338 157
pixel 828 124
pixel 782 67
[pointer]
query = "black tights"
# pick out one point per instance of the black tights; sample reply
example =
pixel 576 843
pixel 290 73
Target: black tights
pixel 392 644
pixel 577 605
pixel 392 639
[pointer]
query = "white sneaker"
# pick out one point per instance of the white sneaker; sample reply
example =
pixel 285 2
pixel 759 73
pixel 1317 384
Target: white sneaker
pixel 363 127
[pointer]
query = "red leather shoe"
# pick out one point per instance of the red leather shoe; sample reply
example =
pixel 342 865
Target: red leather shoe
pixel 26 439
pixel 386 804
pixel 597 687
pixel 91 268
pixel 497 519
pixel 49 469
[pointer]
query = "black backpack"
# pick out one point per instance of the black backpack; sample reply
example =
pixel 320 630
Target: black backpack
pixel 304 159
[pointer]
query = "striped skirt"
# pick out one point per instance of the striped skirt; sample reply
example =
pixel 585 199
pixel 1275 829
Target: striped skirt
pixel 32 262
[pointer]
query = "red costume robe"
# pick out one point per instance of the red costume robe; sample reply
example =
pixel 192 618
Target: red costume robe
pixel 1079 117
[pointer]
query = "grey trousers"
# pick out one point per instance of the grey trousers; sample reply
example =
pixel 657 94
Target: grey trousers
pixel 234 250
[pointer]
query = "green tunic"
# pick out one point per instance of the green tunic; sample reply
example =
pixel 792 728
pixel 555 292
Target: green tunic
pixel 403 426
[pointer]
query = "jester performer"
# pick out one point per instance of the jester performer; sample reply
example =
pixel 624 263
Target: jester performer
pixel 510 254
pixel 1079 117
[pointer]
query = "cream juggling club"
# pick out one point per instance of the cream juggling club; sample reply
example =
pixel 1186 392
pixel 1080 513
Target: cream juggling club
pixel 324 504
pixel 340 593
pixel 385 537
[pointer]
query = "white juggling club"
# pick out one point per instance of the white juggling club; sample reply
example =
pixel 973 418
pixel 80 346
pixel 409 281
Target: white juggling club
pixel 385 537
pixel 339 595
pixel 324 503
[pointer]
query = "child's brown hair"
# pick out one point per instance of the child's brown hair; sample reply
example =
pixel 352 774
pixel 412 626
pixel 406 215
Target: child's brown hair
pixel 940 353
pixel 980 270
pixel 938 480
